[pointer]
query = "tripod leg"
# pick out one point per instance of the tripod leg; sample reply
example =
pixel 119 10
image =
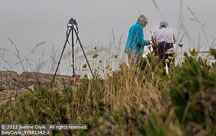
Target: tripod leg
pixel 68 34
pixel 73 51
pixel 83 52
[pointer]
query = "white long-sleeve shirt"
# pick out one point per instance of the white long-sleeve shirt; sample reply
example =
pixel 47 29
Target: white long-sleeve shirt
pixel 164 35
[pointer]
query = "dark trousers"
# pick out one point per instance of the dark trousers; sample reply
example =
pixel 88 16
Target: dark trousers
pixel 163 47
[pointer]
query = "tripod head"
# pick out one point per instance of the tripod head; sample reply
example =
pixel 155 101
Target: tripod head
pixel 72 22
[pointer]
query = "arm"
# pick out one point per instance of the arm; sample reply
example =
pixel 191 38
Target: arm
pixel 140 37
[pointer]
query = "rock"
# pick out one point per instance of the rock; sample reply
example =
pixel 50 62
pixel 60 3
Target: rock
pixel 9 80
pixel 44 80
pixel 13 84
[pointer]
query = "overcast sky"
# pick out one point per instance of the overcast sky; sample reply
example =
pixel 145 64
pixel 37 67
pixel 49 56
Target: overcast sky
pixel 29 22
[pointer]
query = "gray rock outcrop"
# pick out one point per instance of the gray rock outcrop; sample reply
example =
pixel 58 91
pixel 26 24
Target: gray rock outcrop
pixel 12 84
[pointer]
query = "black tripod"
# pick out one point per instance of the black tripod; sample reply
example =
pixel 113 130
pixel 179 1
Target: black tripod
pixel 72 27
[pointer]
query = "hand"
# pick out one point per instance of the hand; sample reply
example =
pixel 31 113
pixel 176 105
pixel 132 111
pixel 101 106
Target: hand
pixel 149 42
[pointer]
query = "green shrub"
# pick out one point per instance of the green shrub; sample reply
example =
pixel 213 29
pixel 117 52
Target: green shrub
pixel 2 88
pixel 161 125
pixel 153 127
pixel 193 93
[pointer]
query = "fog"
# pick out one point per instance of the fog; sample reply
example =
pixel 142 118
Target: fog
pixel 30 22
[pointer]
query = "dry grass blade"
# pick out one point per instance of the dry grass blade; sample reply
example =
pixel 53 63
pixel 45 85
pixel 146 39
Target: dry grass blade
pixel 17 63
pixel 40 65
pixel 6 61
pixel 200 24
pixel 138 10
pixel 158 9
pixel 28 63
pixel 53 60
pixel 181 39
pixel 17 54
pixel 180 18
pixel 3 49
pixel 39 44
pixel 213 44
pixel 36 46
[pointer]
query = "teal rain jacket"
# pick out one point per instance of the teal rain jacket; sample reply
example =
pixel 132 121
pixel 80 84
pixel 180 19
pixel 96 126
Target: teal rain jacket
pixel 135 41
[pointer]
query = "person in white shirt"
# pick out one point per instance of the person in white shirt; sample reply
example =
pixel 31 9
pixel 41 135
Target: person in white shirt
pixel 164 38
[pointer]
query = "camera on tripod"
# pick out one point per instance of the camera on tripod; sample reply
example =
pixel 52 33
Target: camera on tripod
pixel 72 22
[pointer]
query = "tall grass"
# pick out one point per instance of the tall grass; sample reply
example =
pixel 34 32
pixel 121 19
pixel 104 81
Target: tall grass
pixel 140 100
pixel 125 97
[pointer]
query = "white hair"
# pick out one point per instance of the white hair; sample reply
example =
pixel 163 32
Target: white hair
pixel 142 18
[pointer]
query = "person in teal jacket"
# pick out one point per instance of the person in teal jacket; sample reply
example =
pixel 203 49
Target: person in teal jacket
pixel 135 41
